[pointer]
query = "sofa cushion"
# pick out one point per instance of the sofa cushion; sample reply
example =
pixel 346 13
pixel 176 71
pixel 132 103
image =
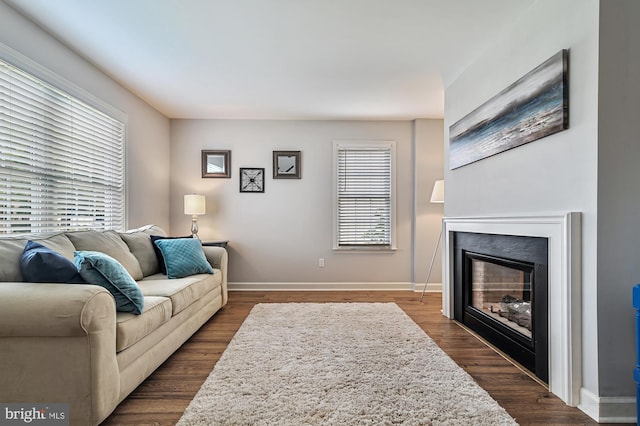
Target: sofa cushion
pixel 182 291
pixel 11 249
pixel 40 264
pixel 103 270
pixel 59 243
pixel 183 257
pixel 131 328
pixel 110 243
pixel 140 244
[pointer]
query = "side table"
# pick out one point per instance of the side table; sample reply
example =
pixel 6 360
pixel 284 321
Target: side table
pixel 222 244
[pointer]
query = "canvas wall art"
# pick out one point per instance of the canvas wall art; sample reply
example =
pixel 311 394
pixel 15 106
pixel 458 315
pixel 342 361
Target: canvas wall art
pixel 535 106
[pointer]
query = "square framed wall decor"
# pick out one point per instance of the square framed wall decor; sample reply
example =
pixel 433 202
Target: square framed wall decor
pixel 251 179
pixel 286 164
pixel 216 164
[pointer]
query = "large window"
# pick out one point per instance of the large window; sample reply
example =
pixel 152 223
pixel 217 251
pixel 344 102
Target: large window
pixel 364 195
pixel 61 160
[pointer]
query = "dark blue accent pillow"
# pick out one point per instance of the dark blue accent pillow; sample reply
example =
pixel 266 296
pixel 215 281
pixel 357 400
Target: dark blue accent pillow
pixel 40 264
pixel 184 257
pixel 103 270
pixel 154 238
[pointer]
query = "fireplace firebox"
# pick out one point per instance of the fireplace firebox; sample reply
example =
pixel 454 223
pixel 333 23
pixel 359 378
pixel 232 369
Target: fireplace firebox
pixel 500 292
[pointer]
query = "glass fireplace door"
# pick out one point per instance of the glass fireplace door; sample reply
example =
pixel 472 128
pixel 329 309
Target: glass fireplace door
pixel 501 290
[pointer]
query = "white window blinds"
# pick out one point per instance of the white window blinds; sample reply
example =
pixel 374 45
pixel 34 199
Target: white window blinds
pixel 61 160
pixel 364 177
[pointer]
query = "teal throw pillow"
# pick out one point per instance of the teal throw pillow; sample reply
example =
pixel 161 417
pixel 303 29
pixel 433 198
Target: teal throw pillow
pixel 159 256
pixel 183 257
pixel 103 270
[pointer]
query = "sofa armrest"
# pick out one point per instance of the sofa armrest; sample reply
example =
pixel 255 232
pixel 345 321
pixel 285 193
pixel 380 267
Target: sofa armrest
pixel 218 258
pixel 58 345
pixel 48 310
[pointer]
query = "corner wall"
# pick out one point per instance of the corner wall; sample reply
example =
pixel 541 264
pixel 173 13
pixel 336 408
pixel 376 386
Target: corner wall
pixel 618 194
pixel 428 158
pixel 552 175
pixel 147 143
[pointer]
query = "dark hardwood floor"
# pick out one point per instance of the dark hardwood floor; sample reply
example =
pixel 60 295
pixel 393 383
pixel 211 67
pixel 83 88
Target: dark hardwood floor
pixel 163 397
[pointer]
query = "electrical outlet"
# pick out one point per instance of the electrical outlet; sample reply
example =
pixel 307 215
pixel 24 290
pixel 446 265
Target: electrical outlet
pixel 321 262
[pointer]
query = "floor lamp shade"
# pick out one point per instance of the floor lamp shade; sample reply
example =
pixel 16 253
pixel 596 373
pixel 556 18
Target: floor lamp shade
pixel 437 195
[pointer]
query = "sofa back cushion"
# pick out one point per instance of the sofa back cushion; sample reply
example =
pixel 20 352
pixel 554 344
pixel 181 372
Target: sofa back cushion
pixel 11 249
pixel 110 243
pixel 140 244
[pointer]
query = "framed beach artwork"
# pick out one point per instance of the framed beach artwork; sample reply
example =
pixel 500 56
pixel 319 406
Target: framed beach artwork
pixel 535 106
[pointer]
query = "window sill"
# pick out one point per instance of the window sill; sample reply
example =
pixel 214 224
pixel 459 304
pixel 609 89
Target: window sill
pixel 365 249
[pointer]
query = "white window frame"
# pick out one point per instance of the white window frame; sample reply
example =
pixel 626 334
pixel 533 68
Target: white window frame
pixel 365 144
pixel 71 90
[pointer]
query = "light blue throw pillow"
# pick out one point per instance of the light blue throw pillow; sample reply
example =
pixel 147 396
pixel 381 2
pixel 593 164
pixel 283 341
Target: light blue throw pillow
pixel 183 257
pixel 103 270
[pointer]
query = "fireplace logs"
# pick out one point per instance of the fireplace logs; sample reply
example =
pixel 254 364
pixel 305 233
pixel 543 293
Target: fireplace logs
pixel 514 309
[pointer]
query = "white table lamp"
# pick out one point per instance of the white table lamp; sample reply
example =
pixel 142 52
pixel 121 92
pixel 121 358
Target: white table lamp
pixel 194 204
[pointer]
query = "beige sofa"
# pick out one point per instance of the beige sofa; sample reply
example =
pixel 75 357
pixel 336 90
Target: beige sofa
pixel 65 343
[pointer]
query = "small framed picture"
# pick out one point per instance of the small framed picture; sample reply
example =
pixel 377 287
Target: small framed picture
pixel 251 179
pixel 286 165
pixel 216 164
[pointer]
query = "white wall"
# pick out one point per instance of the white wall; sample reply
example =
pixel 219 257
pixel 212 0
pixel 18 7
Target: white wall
pixel 278 236
pixel 556 174
pixel 147 149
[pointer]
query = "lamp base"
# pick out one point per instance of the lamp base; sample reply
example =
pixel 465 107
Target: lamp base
pixel 194 227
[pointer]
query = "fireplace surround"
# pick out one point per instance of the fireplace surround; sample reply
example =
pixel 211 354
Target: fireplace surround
pixel 563 233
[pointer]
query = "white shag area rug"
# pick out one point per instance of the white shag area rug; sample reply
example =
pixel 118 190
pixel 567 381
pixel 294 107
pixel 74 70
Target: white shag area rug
pixel 338 364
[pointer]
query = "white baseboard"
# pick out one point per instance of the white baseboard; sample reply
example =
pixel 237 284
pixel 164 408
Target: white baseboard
pixel 431 287
pixel 321 286
pixel 608 409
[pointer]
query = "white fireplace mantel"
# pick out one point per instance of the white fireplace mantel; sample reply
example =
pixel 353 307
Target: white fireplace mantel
pixel 564 282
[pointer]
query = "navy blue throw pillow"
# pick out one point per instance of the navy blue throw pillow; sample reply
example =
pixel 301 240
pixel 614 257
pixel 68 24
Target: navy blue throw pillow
pixel 40 264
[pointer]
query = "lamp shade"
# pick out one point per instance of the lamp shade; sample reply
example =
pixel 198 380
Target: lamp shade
pixel 194 204
pixel 437 196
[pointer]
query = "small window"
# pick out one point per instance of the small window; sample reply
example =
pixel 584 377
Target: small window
pixel 364 195
pixel 61 160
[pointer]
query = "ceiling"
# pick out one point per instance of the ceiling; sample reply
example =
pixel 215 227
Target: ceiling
pixel 280 59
